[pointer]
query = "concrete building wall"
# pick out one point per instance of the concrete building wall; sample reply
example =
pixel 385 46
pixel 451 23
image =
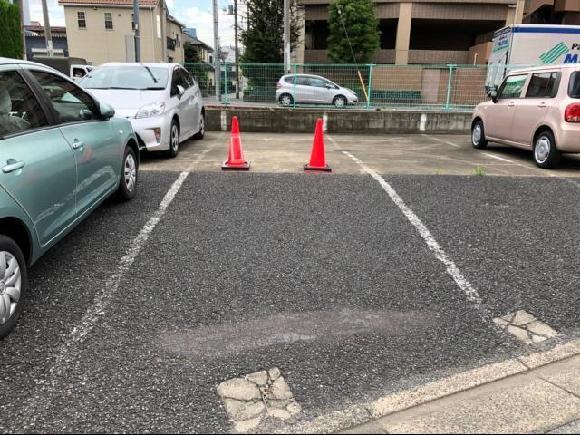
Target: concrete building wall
pixel 99 45
pixel 427 31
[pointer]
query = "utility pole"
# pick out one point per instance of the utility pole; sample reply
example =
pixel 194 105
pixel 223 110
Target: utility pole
pixel 216 57
pixel 236 49
pixel 47 31
pixel 20 4
pixel 287 36
pixel 137 31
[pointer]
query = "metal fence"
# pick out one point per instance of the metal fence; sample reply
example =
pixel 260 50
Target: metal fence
pixel 448 87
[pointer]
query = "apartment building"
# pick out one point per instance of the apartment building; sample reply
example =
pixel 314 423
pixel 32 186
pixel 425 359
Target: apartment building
pixel 102 31
pixel 418 31
pixel 552 12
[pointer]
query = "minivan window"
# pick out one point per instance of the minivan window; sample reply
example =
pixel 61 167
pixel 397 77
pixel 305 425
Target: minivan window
pixel 19 109
pixel 512 87
pixel 543 85
pixel 574 85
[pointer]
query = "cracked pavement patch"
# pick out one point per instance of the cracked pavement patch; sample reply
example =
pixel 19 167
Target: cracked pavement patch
pixel 525 327
pixel 257 398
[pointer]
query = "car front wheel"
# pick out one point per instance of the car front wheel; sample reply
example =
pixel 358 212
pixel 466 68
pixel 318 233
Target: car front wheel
pixel 129 175
pixel 546 154
pixel 339 101
pixel 478 135
pixel 201 132
pixel 173 140
pixel 13 284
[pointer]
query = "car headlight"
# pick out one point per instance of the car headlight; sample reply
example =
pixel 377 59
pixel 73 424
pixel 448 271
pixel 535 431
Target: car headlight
pixel 150 110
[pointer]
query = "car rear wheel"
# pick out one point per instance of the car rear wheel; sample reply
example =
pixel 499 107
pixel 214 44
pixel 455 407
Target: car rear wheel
pixel 339 101
pixel 286 100
pixel 173 140
pixel 478 139
pixel 13 284
pixel 129 175
pixel 546 154
pixel 201 133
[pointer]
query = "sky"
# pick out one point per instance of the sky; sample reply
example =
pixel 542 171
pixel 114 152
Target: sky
pixel 192 13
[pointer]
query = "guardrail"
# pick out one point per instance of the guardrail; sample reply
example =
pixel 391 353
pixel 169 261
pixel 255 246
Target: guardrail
pixel 447 87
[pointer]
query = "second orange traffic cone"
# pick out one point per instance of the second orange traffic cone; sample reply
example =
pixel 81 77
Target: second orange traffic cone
pixel 317 159
pixel 236 158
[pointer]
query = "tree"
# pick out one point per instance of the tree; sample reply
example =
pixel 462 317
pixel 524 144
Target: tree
pixel 352 28
pixel 264 37
pixel 191 53
pixel 11 41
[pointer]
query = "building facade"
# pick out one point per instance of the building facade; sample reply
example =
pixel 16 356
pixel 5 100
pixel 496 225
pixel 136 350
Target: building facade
pixel 102 31
pixel 418 31
pixel 36 44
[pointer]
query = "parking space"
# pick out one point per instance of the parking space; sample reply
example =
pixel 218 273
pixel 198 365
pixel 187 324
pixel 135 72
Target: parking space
pixel 352 290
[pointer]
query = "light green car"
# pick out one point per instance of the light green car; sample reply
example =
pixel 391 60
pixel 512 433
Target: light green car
pixel 61 155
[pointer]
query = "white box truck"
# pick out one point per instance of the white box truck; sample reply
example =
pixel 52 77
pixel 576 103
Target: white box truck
pixel 527 45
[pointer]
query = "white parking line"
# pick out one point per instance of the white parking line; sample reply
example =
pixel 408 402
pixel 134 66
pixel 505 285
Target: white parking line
pixel 452 269
pixel 447 142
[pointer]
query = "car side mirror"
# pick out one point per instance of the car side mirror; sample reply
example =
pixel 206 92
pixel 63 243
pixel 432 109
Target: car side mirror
pixel 107 112
pixel 328 86
pixel 86 114
pixel 493 95
pixel 180 90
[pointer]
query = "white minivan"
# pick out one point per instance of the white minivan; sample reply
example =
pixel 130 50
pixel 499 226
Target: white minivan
pixel 162 101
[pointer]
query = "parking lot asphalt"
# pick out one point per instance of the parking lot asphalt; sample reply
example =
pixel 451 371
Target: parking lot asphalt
pixel 320 275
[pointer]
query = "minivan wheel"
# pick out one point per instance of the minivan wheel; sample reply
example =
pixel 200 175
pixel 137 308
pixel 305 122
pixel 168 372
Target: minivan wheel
pixel 546 154
pixel 173 140
pixel 478 139
pixel 13 284
pixel 129 176
pixel 286 100
pixel 339 101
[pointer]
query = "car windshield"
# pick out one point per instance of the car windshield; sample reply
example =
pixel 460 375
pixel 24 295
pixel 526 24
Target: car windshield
pixel 133 77
pixel 574 86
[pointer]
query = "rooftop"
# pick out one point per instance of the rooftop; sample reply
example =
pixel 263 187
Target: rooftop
pixel 129 3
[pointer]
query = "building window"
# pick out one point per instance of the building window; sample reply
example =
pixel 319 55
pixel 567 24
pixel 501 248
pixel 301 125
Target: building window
pixel 108 21
pixel 81 20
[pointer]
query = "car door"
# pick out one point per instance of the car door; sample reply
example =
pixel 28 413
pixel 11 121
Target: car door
pixel 302 90
pixel 191 108
pixel 531 110
pixel 197 102
pixel 37 165
pixel 180 104
pixel 500 116
pixel 320 91
pixel 94 144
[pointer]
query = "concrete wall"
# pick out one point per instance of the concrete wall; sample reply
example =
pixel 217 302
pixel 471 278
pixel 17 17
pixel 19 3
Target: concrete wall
pixel 338 121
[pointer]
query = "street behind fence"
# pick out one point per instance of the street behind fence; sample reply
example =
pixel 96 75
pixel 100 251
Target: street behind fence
pixel 426 86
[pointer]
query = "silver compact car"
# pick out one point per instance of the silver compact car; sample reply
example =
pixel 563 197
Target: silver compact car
pixel 307 88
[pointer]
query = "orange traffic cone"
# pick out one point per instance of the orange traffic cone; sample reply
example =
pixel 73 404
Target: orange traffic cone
pixel 317 161
pixel 236 158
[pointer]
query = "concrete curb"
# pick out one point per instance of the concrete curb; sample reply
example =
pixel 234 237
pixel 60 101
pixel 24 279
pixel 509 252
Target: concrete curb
pixel 366 412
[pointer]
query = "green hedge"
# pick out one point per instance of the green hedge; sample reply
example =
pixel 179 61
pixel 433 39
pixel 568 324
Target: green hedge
pixel 11 41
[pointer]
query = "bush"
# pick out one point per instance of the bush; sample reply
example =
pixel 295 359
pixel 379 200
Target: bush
pixel 11 42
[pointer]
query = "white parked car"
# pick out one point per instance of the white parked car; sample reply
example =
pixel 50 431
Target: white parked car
pixel 162 101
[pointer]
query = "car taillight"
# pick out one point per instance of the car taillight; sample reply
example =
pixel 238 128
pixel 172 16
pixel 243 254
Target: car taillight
pixel 572 112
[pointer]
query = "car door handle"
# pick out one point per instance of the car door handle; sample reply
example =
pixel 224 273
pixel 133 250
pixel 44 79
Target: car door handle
pixel 542 105
pixel 12 165
pixel 512 104
pixel 77 145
